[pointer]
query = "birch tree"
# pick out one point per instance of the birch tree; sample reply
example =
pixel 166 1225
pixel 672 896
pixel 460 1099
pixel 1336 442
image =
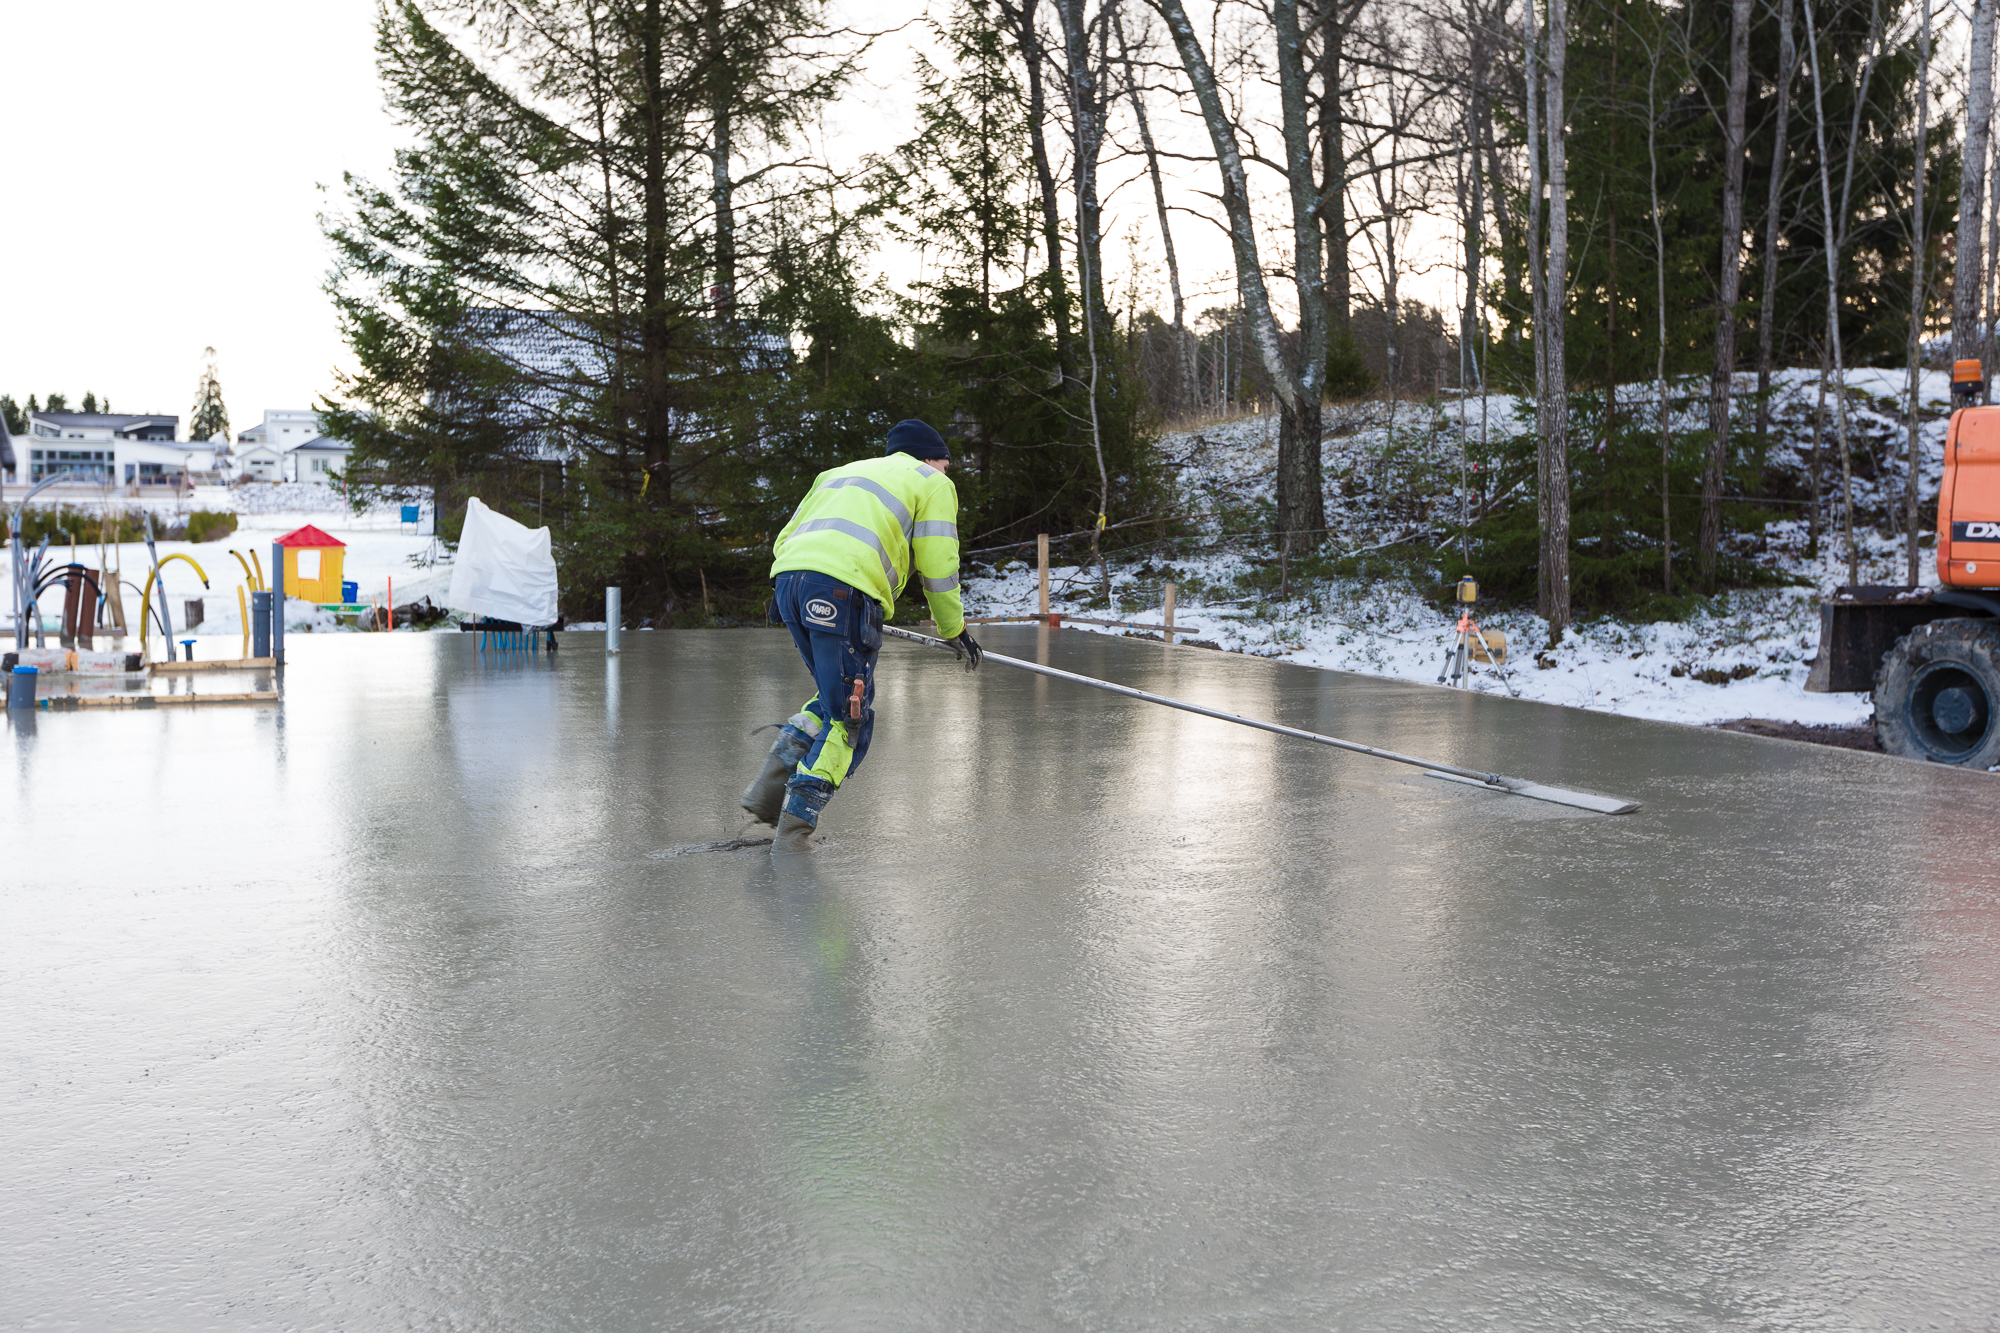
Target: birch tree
pixel 1023 21
pixel 1183 346
pixel 1920 241
pixel 1087 90
pixel 1774 204
pixel 1730 286
pixel 1836 227
pixel 1552 471
pixel 1967 266
pixel 1296 376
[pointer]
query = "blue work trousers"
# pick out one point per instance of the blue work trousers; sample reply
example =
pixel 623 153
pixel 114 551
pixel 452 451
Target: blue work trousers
pixel 838 630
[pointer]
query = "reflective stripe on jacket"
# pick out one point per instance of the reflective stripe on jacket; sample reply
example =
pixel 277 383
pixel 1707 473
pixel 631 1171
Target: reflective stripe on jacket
pixel 865 523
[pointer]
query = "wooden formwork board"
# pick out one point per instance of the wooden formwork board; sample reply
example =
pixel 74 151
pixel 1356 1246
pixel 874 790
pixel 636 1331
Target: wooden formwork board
pixel 69 703
pixel 219 664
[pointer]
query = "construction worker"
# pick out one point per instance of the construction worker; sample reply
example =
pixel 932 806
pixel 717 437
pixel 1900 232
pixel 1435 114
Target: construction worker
pixel 855 540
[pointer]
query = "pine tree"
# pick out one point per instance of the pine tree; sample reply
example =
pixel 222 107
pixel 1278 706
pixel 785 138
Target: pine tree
pixel 581 166
pixel 89 401
pixel 10 412
pixel 58 402
pixel 209 418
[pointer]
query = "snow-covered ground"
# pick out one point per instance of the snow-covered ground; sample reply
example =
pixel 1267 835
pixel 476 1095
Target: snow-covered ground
pixel 1746 655
pixel 1756 644
pixel 378 551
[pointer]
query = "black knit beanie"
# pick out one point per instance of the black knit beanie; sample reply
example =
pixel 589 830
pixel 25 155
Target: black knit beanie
pixel 915 438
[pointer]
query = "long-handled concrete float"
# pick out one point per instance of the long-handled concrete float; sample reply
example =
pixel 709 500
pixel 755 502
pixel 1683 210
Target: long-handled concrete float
pixel 1582 800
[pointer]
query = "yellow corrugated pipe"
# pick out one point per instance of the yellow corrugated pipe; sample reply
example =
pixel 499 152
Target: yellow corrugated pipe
pixel 257 579
pixel 146 597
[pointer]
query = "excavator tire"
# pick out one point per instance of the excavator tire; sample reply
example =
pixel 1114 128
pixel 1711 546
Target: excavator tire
pixel 1937 696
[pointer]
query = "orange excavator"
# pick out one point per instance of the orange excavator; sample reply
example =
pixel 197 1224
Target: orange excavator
pixel 1931 657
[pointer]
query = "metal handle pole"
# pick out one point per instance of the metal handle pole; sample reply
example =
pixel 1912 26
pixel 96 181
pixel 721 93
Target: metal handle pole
pixel 1516 786
pixel 278 605
pixel 614 611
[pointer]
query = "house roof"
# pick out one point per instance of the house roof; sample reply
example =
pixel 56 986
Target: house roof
pixel 559 363
pixel 325 444
pixel 105 420
pixel 309 536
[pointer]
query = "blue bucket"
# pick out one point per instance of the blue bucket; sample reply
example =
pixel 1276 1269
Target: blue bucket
pixel 349 592
pixel 21 686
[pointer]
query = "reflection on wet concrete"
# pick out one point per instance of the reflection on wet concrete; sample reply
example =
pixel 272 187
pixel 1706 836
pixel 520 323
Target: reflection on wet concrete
pixel 392 1008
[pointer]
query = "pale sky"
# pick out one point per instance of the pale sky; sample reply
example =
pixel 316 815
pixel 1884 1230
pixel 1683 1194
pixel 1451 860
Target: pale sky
pixel 165 161
pixel 169 162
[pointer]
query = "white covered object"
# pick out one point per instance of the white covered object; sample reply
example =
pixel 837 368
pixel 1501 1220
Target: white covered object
pixel 504 571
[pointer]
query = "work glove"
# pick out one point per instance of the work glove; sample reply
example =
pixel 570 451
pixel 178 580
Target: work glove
pixel 968 650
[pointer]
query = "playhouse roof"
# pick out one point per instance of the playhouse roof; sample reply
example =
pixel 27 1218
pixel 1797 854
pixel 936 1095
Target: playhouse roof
pixel 309 536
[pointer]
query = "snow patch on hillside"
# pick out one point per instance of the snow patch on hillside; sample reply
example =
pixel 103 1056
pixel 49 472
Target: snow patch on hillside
pixel 1747 655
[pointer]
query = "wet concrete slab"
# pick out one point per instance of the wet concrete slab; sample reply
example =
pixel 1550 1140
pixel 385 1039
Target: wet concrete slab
pixel 405 1005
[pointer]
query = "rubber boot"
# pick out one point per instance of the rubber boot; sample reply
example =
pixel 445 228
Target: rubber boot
pixel 765 795
pixel 794 835
pixel 804 799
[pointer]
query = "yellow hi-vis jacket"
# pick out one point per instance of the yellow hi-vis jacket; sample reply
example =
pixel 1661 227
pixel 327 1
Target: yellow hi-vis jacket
pixel 867 523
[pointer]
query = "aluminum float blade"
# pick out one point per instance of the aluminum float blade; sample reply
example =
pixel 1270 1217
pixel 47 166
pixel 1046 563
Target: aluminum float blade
pixel 1582 800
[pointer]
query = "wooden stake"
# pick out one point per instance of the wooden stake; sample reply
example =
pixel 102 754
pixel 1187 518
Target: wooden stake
pixel 1169 617
pixel 1042 561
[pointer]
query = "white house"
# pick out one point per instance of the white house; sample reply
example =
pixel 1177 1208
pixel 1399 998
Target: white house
pixel 259 462
pixel 284 429
pixel 104 449
pixel 100 427
pixel 322 459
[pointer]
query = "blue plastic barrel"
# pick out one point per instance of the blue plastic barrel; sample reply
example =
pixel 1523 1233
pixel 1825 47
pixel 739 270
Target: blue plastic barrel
pixel 349 592
pixel 21 686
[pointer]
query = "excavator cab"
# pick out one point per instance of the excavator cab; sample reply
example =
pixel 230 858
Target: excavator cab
pixel 1968 533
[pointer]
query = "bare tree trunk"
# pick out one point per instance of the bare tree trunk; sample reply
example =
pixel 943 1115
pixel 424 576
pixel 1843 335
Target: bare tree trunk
pixel 1555 432
pixel 1183 367
pixel 1774 204
pixel 1301 499
pixel 1815 518
pixel 1992 339
pixel 1022 20
pixel 1086 105
pixel 1660 354
pixel 1472 217
pixel 1834 231
pixel 1531 65
pixel 1503 216
pixel 1732 274
pixel 1968 272
pixel 657 234
pixel 1921 238
pixel 1333 174
pixel 722 189
pixel 1301 486
pixel 1474 220
pixel 1256 298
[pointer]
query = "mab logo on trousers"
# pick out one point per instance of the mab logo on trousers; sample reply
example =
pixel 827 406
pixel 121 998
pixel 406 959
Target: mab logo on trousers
pixel 1976 532
pixel 820 611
